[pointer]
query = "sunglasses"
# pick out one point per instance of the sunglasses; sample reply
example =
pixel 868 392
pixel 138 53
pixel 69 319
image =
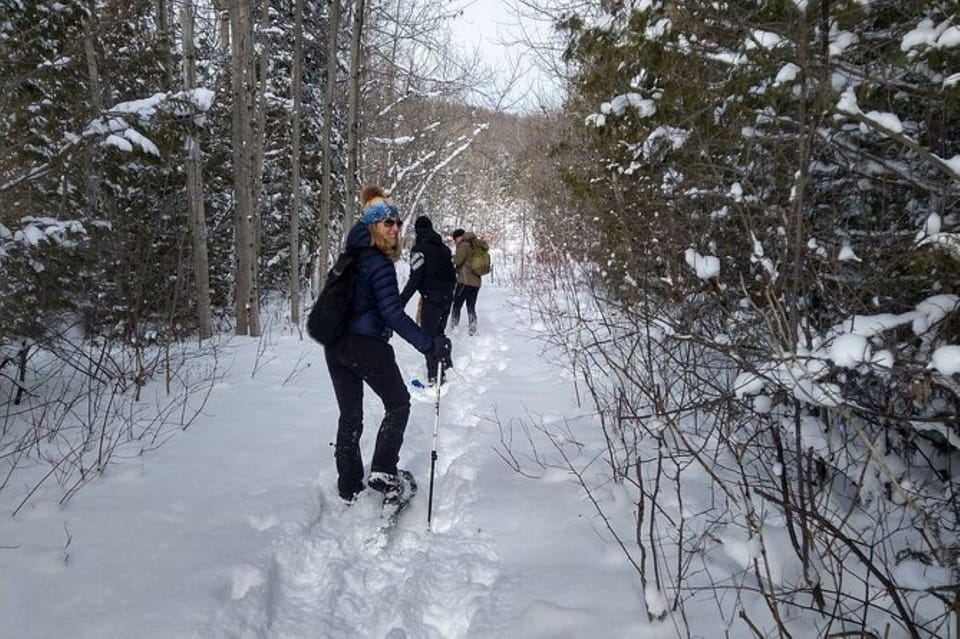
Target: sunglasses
pixel 390 222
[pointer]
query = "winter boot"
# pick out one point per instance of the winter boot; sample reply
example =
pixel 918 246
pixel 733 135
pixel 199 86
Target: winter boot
pixel 396 489
pixel 349 498
pixel 387 483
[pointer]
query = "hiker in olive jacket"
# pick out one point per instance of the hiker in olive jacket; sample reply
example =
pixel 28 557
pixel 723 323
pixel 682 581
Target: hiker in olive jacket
pixel 468 282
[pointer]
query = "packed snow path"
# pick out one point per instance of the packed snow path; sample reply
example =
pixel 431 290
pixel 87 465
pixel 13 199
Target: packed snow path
pixel 233 529
pixel 330 576
pixel 325 578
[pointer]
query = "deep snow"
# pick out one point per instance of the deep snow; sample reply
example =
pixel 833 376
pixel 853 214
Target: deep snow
pixel 233 528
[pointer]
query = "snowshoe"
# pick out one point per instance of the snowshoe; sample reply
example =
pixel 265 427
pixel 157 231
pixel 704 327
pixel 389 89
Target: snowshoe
pixel 396 501
pixel 399 490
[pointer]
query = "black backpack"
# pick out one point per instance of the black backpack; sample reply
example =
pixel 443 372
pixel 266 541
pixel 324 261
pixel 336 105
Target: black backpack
pixel 330 315
pixel 439 275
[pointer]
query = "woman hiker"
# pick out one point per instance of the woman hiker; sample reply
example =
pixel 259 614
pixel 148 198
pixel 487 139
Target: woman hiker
pixel 364 355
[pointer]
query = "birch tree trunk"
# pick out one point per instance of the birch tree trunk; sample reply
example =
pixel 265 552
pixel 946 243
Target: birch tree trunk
pixel 91 183
pixel 164 13
pixel 164 16
pixel 296 89
pixel 241 58
pixel 391 80
pixel 353 109
pixel 326 187
pixel 93 69
pixel 194 173
pixel 258 68
pixel 223 24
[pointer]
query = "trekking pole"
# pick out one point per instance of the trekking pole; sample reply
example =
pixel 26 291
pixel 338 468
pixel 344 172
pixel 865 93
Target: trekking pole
pixel 433 452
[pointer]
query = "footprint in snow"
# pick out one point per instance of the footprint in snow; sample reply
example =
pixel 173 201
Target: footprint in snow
pixel 262 522
pixel 243 578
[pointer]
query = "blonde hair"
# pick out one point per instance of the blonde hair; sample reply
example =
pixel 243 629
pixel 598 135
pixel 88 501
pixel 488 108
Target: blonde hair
pixel 389 246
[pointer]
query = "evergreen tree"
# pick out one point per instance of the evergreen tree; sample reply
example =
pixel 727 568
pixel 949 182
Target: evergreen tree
pixel 747 179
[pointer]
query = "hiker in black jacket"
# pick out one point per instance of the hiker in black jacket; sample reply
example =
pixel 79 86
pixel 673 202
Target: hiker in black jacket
pixel 364 355
pixel 433 276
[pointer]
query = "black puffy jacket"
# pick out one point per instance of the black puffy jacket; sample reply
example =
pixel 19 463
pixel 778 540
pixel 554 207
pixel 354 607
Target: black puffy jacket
pixel 376 303
pixel 431 269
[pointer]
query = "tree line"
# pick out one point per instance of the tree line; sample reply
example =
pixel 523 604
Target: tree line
pixel 173 171
pixel 740 224
pixel 756 231
pixel 196 157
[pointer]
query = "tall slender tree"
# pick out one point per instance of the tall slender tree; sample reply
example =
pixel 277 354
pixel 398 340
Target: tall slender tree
pixel 296 91
pixel 326 187
pixel 353 107
pixel 194 175
pixel 246 304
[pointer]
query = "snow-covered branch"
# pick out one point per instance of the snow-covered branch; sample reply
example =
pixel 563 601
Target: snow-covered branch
pixel 443 163
pixel 889 125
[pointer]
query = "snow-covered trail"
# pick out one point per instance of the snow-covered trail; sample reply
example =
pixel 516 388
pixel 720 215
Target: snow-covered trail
pixel 233 529
pixel 323 577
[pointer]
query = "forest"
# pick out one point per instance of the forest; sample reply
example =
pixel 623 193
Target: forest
pixel 739 223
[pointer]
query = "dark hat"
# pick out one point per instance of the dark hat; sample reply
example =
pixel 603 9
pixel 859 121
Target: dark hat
pixel 423 223
pixel 457 233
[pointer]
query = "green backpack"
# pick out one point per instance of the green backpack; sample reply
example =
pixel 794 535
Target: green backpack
pixel 479 256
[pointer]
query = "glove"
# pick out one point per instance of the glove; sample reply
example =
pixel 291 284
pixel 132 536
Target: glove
pixel 441 351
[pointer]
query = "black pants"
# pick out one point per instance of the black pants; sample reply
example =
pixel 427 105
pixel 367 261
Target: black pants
pixel 463 293
pixel 353 360
pixel 433 321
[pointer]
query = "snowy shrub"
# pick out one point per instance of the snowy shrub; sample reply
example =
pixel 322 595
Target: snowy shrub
pixel 765 315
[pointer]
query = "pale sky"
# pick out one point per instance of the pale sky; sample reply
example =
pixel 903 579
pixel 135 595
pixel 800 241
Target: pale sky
pixel 493 26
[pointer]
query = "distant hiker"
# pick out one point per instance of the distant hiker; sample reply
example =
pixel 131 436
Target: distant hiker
pixel 364 354
pixel 468 279
pixel 433 276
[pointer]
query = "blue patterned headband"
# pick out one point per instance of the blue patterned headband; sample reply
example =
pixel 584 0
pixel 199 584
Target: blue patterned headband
pixel 379 212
